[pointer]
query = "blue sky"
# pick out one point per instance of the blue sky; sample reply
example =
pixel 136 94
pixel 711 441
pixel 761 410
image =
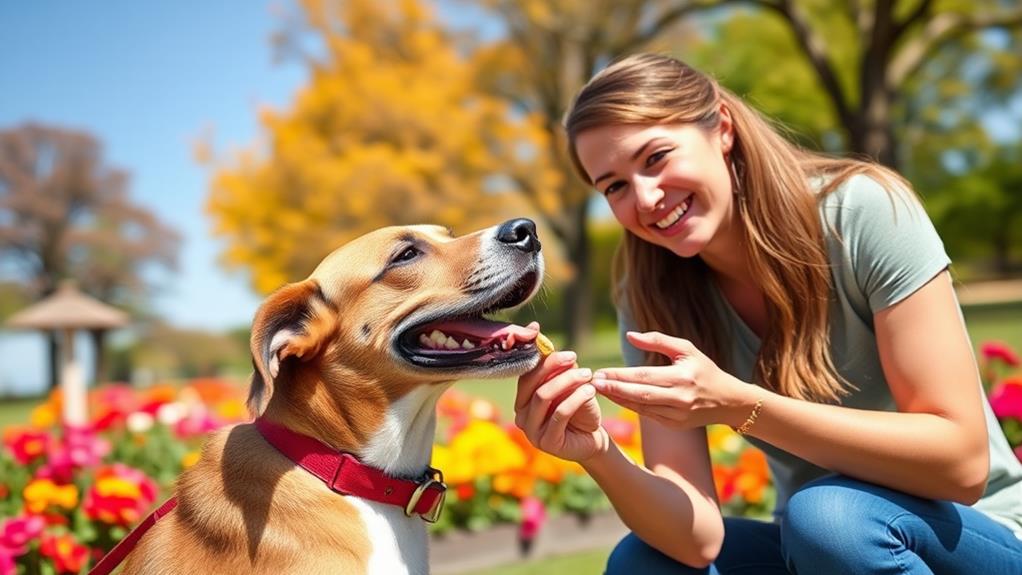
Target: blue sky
pixel 149 79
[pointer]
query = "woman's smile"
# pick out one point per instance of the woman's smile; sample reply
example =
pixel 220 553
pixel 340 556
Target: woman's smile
pixel 671 223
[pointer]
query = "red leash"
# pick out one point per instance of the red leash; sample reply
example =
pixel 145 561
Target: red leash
pixel 341 472
pixel 111 560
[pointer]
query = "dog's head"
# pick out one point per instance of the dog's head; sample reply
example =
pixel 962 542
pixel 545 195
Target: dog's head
pixel 397 308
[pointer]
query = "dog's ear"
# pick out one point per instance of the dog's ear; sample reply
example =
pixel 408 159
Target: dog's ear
pixel 295 321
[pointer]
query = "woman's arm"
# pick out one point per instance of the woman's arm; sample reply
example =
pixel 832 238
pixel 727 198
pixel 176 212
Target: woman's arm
pixel 670 504
pixel 935 446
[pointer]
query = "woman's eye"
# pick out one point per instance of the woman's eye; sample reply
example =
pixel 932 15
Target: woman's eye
pixel 656 157
pixel 613 187
pixel 407 254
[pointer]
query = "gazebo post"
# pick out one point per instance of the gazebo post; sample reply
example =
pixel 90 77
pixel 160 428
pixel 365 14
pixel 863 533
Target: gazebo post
pixel 72 384
pixel 66 311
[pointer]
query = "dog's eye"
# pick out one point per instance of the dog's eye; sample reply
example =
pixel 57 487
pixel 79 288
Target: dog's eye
pixel 407 254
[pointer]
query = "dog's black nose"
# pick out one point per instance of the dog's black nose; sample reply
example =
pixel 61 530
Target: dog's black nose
pixel 519 233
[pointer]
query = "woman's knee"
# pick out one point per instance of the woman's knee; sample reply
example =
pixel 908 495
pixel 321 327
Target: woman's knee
pixel 835 515
pixel 633 555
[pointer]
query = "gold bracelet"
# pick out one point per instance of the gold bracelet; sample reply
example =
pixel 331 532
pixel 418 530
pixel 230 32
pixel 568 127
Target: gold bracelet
pixel 745 427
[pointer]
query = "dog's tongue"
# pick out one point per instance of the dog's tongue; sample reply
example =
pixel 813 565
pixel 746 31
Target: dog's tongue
pixel 484 329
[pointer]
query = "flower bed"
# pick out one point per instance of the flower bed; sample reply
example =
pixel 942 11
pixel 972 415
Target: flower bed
pixel 67 495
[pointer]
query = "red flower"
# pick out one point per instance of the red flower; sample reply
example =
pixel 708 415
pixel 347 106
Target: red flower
pixel 1006 399
pixel 68 555
pixel 120 495
pixel 28 445
pixel 999 351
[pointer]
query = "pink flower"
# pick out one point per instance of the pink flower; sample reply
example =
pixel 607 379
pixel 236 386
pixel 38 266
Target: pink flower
pixel 18 531
pixel 196 423
pixel 1006 399
pixel 533 518
pixel 79 448
pixel 999 351
pixel 7 566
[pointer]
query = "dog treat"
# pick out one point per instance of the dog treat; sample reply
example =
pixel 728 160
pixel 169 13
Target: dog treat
pixel 544 345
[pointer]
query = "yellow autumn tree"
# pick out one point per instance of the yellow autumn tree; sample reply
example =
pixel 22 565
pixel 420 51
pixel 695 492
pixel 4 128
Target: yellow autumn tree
pixel 392 128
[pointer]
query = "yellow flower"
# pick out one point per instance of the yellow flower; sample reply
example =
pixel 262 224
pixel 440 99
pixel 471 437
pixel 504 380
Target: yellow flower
pixel 189 459
pixel 113 486
pixel 40 494
pixel 44 416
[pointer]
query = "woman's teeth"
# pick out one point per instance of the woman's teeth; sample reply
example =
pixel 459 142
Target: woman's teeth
pixel 675 215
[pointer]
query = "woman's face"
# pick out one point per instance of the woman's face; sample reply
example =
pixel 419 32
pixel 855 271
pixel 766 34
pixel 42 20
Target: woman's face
pixel 667 184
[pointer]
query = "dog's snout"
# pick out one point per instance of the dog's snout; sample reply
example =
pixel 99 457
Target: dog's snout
pixel 519 233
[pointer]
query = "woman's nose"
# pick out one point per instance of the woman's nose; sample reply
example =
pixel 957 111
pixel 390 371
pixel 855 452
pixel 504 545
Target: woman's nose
pixel 648 194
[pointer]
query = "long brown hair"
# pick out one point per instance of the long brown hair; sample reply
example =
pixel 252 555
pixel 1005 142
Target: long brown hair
pixel 779 219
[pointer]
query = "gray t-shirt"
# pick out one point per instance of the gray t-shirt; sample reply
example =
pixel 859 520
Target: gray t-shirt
pixel 882 248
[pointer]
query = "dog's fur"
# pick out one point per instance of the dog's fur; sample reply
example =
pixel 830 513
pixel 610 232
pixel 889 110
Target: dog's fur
pixel 329 364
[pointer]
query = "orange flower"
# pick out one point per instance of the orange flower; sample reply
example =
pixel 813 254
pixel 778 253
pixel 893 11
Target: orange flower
pixel 68 555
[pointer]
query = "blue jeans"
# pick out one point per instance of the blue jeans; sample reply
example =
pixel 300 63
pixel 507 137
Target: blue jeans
pixel 836 526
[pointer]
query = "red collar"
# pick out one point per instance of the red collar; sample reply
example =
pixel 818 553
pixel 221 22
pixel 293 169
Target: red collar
pixel 345 474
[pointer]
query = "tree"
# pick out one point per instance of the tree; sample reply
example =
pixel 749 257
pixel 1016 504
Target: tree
pixel 64 214
pixel 858 62
pixel 865 55
pixel 391 129
pixel 935 111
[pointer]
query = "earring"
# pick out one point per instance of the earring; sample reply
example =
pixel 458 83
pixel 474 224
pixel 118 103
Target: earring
pixel 736 180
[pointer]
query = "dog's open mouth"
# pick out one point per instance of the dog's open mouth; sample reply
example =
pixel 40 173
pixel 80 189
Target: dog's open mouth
pixel 468 339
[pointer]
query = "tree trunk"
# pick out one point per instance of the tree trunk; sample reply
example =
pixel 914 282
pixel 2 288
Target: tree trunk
pixel 578 293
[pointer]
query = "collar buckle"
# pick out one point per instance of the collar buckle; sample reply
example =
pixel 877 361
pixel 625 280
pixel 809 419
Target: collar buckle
pixel 433 477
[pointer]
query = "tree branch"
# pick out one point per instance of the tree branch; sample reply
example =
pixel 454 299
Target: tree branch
pixel 814 48
pixel 940 29
pixel 663 21
pixel 920 13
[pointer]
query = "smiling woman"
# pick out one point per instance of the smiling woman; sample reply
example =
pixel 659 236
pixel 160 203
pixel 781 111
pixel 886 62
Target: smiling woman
pixel 806 302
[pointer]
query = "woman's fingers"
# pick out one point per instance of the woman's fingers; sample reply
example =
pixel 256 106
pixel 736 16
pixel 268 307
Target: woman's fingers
pixel 658 375
pixel 673 347
pixel 554 429
pixel 645 393
pixel 548 396
pixel 548 367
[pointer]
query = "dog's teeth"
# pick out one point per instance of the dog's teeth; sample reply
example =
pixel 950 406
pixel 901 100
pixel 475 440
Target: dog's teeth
pixel 438 337
pixel 425 341
pixel 451 343
pixel 467 344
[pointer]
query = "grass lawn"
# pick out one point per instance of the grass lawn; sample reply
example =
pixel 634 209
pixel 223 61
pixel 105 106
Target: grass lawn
pixel 589 562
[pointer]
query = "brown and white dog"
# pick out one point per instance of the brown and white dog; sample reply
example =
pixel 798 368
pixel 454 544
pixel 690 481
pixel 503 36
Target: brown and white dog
pixel 355 356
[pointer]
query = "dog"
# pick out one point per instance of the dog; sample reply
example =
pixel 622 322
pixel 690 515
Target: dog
pixel 352 359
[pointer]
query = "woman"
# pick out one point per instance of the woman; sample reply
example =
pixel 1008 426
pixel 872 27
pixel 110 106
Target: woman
pixel 820 281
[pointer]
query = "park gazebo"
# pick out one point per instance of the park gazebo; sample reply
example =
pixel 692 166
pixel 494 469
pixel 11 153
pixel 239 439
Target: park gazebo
pixel 66 311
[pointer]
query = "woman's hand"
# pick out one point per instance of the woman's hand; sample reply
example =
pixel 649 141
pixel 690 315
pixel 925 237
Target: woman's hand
pixel 691 392
pixel 556 407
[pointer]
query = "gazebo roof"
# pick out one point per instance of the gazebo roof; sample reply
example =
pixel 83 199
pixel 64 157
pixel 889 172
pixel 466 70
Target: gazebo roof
pixel 68 308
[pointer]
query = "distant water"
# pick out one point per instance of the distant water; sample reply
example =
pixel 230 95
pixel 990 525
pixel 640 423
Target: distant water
pixel 23 361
